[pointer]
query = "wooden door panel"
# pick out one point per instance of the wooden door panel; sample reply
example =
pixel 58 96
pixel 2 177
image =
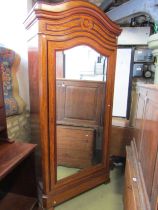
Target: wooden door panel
pixel 139 118
pixel 83 97
pixel 75 146
pixel 60 101
pixel 129 196
pixel 79 102
pixel 149 143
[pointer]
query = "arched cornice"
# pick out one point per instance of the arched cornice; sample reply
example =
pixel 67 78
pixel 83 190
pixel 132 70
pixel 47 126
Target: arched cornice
pixel 72 19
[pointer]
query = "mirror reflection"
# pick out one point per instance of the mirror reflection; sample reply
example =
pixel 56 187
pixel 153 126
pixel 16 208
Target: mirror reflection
pixel 80 99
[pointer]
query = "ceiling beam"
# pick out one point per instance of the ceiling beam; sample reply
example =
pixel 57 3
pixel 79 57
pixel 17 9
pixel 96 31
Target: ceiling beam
pixel 105 4
pixel 133 8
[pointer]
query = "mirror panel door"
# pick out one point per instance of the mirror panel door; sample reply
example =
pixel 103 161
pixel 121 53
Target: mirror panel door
pixel 80 99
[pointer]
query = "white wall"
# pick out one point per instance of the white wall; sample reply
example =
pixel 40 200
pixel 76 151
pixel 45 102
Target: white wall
pixel 134 36
pixel 123 63
pixel 13 36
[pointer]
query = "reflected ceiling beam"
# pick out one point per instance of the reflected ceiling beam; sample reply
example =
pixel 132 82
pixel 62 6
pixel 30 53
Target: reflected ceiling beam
pixel 96 2
pixel 134 8
pixel 105 4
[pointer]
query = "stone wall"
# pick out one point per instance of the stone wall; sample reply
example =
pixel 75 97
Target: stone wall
pixel 19 127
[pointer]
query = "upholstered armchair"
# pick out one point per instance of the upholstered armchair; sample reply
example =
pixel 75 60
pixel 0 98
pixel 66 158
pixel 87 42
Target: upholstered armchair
pixel 17 117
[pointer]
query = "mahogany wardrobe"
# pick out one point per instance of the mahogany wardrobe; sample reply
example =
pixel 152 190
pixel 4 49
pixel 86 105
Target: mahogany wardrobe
pixel 72 55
